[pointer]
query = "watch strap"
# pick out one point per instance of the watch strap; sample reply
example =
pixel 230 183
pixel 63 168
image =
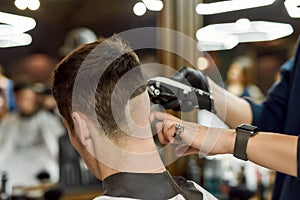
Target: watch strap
pixel 240 146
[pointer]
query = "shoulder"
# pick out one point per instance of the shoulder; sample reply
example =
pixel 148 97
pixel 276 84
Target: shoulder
pixel 206 194
pixel 9 118
pixel 255 92
pixel 288 65
pixel 45 115
pixel 42 112
pixel 50 121
pixel 192 189
pixel 109 198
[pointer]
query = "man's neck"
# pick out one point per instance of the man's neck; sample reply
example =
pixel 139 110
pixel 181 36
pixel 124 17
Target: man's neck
pixel 107 172
pixel 141 157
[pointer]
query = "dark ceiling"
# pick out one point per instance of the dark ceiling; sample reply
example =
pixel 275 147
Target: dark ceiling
pixel 56 17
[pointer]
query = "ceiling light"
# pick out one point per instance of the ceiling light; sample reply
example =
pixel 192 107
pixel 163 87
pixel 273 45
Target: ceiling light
pixel 269 31
pixel 232 5
pixel 15 40
pixel 14 24
pixel 154 5
pixel 139 9
pixel 21 4
pixel 216 45
pixel 12 30
pixel 227 35
pixel 242 24
pixel 202 63
pixel 211 40
pixel 33 4
pixel 293 8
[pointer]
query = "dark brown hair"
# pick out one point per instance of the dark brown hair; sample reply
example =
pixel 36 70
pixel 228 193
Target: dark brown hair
pixel 104 61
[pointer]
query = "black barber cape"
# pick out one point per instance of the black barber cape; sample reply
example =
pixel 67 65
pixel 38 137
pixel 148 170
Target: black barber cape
pixel 159 186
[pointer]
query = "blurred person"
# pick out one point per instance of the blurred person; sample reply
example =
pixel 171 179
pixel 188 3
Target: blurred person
pixel 45 98
pixel 117 147
pixel 76 37
pixel 7 86
pixel 239 79
pixel 3 105
pixel 29 141
pixel 38 66
pixel 272 141
pixel 240 83
pixel 71 173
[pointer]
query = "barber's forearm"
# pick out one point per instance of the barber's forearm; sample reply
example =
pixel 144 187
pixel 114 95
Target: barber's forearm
pixel 232 109
pixel 274 151
pixel 270 150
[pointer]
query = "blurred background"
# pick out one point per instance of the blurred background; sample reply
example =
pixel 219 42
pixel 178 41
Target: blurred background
pixel 56 18
pixel 248 41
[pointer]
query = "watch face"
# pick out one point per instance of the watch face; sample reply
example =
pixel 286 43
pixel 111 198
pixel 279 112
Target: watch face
pixel 249 128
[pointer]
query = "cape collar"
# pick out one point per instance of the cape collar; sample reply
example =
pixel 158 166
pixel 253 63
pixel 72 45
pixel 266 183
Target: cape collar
pixel 149 186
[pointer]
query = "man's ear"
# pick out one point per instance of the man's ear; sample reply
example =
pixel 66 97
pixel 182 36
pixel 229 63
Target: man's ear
pixel 81 127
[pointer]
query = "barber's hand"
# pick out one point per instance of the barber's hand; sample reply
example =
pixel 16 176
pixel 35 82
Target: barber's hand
pixel 196 139
pixel 196 79
pixel 165 129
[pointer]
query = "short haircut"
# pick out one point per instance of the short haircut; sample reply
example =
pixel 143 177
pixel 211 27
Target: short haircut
pixel 22 85
pixel 113 59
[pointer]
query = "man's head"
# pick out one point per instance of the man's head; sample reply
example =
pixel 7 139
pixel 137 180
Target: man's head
pixel 122 60
pixel 25 97
pixel 91 86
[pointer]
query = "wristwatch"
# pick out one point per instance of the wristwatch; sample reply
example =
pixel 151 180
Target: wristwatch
pixel 243 132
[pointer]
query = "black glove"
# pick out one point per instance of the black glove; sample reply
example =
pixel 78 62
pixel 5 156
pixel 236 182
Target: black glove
pixel 175 98
pixel 192 77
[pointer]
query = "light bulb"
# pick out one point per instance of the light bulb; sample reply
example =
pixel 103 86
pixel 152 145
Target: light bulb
pixel 139 9
pixel 34 4
pixel 21 4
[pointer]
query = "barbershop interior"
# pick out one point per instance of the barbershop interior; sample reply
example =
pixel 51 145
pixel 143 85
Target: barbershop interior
pixel 245 46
